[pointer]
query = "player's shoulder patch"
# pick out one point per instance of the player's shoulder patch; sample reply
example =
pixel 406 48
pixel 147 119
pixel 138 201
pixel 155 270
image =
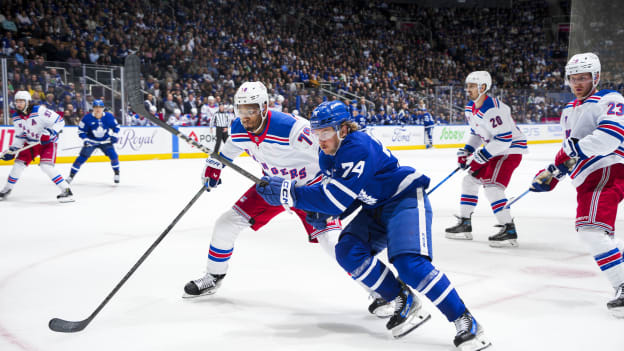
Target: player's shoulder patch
pixel 38 108
pixel 490 103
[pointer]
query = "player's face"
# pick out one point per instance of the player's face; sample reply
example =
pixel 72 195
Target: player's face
pixel 20 104
pixel 581 84
pixel 328 139
pixel 472 89
pixel 250 116
pixel 98 111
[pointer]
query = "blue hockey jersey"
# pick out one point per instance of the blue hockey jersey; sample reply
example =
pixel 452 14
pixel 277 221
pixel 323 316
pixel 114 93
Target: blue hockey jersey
pixel 101 129
pixel 362 169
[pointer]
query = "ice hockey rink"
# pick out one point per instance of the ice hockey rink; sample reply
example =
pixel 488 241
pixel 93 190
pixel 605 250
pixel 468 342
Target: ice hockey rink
pixel 281 293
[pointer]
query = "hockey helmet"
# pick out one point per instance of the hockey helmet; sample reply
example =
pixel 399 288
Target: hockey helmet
pixel 583 63
pixel 329 114
pixel 98 103
pixel 252 93
pixel 480 78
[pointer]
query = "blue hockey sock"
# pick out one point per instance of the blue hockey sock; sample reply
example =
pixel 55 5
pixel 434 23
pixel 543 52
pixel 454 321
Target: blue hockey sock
pixel 115 164
pixel 354 256
pixel 77 164
pixel 419 273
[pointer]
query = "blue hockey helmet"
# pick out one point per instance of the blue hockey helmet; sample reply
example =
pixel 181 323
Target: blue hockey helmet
pixel 329 114
pixel 98 103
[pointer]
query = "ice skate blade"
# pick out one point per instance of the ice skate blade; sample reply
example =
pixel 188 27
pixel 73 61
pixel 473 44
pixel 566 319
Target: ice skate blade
pixel 617 312
pixel 416 320
pixel 459 236
pixel 504 243
pixel 66 199
pixel 477 344
pixel 190 297
pixel 383 312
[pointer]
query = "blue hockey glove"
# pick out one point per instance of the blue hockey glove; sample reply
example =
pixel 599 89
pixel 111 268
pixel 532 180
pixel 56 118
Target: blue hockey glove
pixel 211 177
pixel 272 193
pixel 317 220
pixel 9 154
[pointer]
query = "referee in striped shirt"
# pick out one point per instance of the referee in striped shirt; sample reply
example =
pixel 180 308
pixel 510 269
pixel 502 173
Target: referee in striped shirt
pixel 221 121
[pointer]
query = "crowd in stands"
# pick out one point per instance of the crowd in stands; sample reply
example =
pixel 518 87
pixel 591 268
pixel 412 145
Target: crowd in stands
pixel 387 57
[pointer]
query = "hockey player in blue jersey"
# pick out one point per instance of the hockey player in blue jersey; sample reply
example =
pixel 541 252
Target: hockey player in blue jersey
pixel 395 214
pixel 98 130
pixel 428 122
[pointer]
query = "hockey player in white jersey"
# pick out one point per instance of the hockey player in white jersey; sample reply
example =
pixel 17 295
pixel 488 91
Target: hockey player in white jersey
pixel 593 156
pixel 282 145
pixel 490 165
pixel 35 124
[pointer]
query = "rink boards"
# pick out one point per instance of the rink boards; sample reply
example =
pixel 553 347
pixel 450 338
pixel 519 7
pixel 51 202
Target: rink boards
pixel 149 143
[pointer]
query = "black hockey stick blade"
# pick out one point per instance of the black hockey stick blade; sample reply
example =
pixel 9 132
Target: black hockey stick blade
pixel 63 326
pixel 132 75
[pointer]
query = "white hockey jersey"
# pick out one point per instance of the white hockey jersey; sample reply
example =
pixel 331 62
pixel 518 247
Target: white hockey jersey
pixel 286 148
pixel 40 121
pixel 598 124
pixel 493 126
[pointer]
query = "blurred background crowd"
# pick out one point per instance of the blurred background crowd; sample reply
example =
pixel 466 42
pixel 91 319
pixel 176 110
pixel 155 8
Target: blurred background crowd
pixel 387 60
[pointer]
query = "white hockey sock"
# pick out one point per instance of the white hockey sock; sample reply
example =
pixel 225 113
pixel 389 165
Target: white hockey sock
pixel 16 172
pixel 498 201
pixel 469 196
pixel 54 175
pixel 225 232
pixel 605 252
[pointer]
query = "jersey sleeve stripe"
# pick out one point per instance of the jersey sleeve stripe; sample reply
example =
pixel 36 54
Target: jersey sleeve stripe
pixel 612 131
pixel 333 200
pixel 343 188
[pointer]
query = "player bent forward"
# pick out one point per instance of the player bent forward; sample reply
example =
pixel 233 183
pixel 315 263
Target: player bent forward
pixel 35 124
pixel 593 156
pixel 396 214
pixel 280 144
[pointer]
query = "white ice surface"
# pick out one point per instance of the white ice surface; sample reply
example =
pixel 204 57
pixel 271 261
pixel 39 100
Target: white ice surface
pixel 281 293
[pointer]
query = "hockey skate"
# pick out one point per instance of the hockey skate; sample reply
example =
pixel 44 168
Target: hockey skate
pixel 408 314
pixel 65 196
pixel 461 231
pixel 206 285
pixel 4 193
pixel 616 306
pixel 116 177
pixel 469 335
pixel 380 307
pixel 506 237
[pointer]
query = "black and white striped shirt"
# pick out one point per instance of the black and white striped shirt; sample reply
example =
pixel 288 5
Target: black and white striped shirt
pixel 221 119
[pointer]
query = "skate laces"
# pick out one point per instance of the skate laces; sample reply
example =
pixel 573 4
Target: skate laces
pixel 207 281
pixel 464 323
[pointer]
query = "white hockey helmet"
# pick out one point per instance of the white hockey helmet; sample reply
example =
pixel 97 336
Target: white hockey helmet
pixel 480 78
pixel 23 95
pixel 252 93
pixel 177 112
pixel 193 111
pixel 211 98
pixel 583 63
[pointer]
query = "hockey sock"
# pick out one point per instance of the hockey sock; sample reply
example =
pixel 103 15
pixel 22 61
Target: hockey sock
pixel 225 232
pixel 469 196
pixel 605 252
pixel 56 177
pixel 16 172
pixel 115 165
pixel 354 256
pixel 419 273
pixel 77 164
pixel 498 201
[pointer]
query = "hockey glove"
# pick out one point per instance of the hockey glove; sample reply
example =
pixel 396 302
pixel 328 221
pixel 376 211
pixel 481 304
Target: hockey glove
pixel 317 220
pixel 572 149
pixel 275 193
pixel 563 162
pixel 49 136
pixel 9 154
pixel 211 177
pixel 546 179
pixel 462 158
pixel 480 159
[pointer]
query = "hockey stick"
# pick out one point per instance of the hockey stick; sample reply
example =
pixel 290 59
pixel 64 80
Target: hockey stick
pixel 132 68
pixel 64 326
pixel 444 180
pixel 517 198
pixel 18 150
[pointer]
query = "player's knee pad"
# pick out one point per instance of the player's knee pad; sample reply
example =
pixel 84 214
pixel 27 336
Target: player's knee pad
pixel 494 192
pixel 412 265
pixel 226 229
pixel 352 252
